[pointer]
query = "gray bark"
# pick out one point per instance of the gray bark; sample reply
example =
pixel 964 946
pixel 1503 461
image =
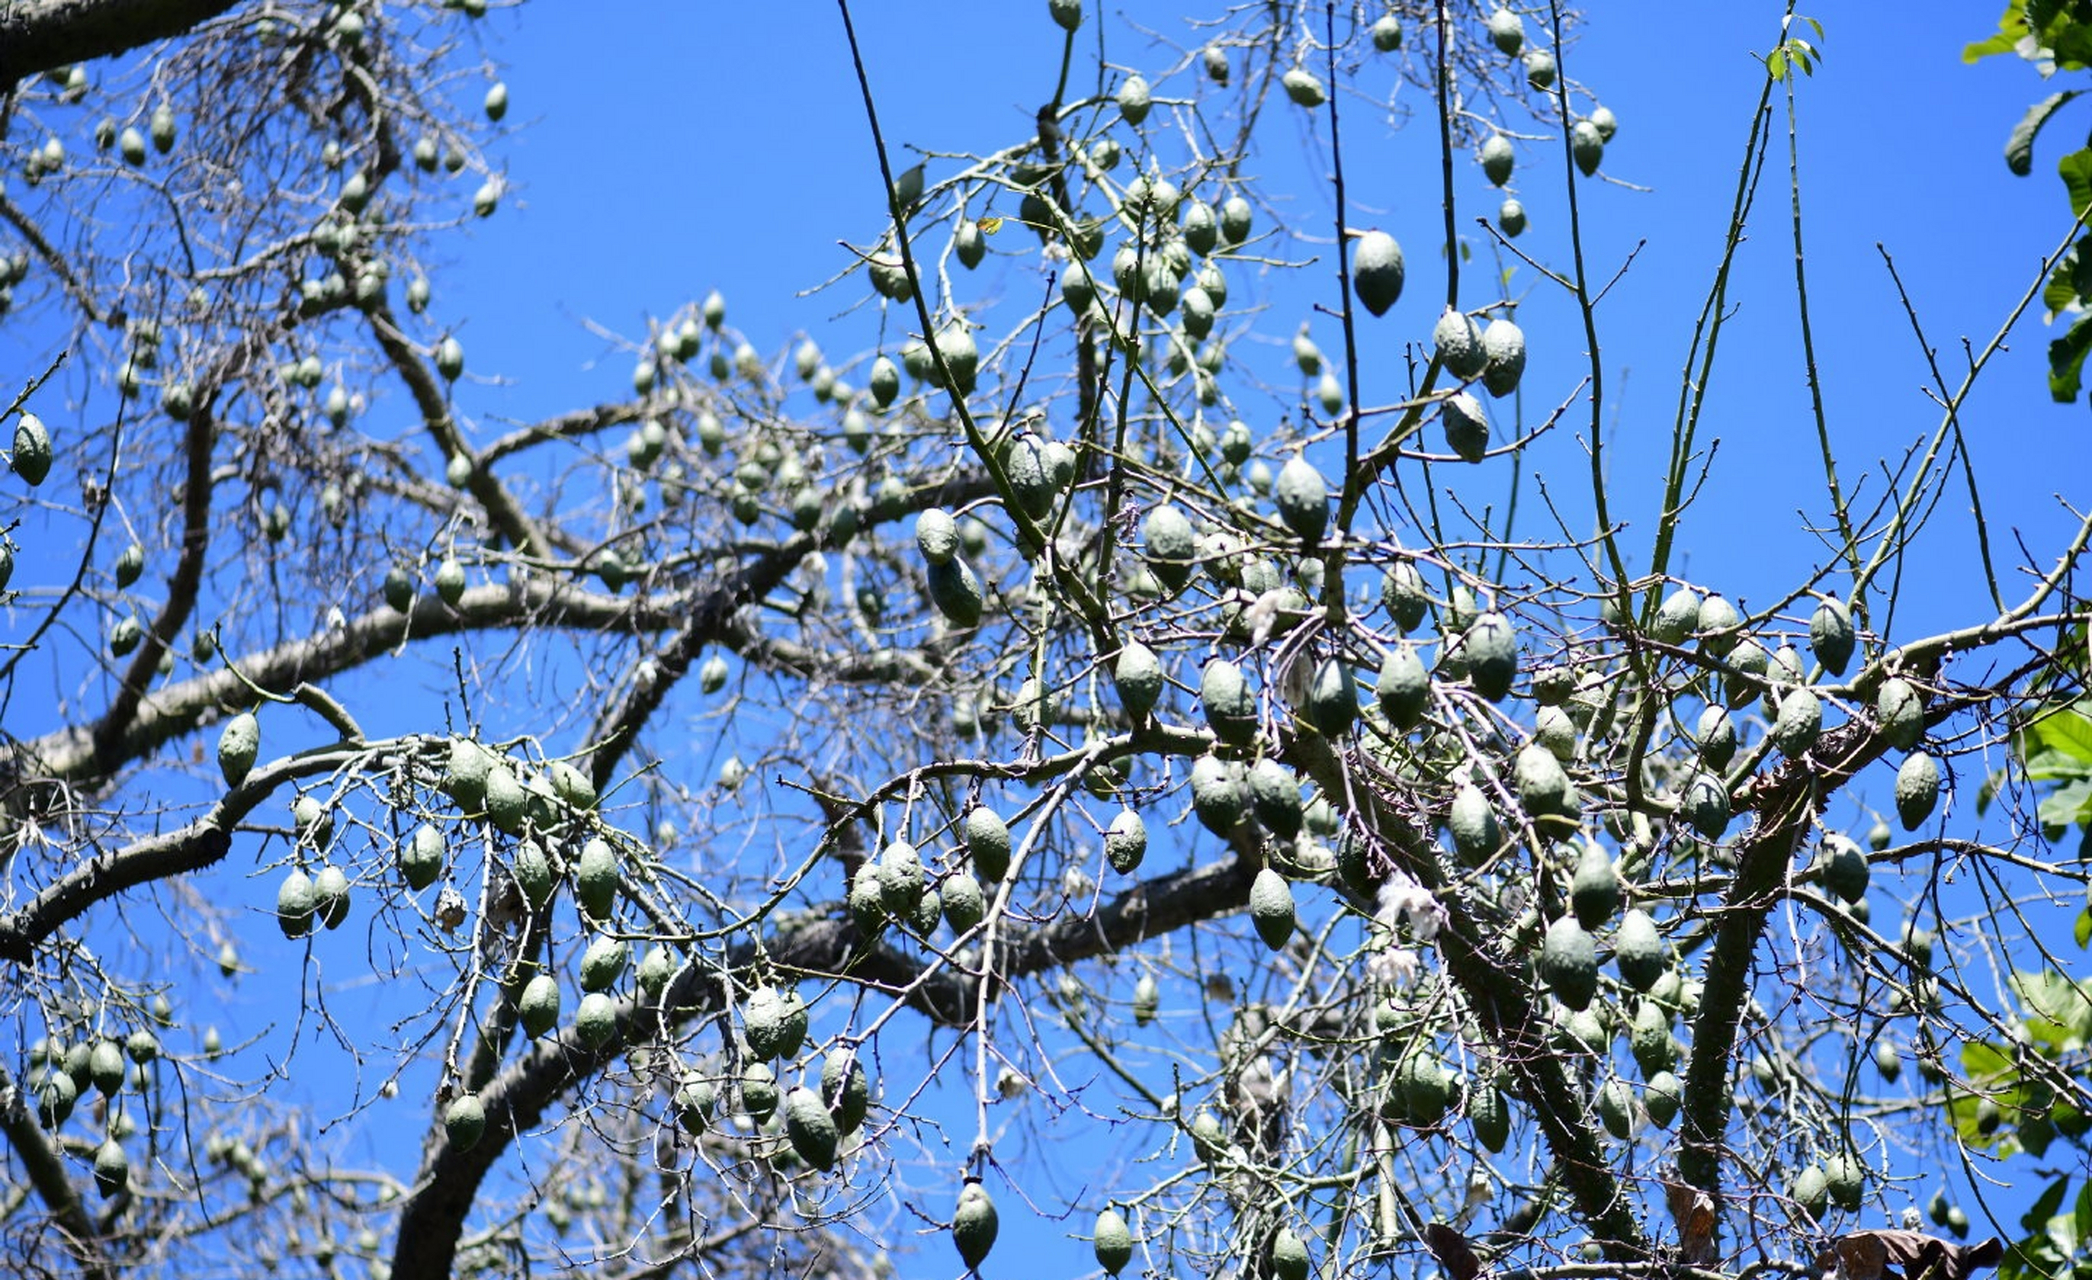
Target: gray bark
pixel 42 35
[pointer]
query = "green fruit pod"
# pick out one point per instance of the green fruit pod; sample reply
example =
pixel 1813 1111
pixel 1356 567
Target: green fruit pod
pixel 1304 87
pixel 810 1129
pixel 1218 794
pixel 1491 647
pixel 1135 100
pixel 1831 636
pixel 1594 888
pixel 532 872
pixel 1458 340
pixel 112 1169
pixel 1715 736
pixel 1230 706
pixel 296 902
pixel 1147 1000
pixel 1705 806
pixel 595 1022
pixel 1473 826
pixel 956 593
pixel 867 904
pixel 1506 31
pixel 450 359
pixel 1649 1039
pixel 759 1091
pixel 1497 158
pixel 1403 595
pixel 464 1121
pixel 1917 789
pixel 1540 73
pixel 974 1224
pixel 537 1008
pixel 129 565
pixel 422 857
pixel 1607 124
pixel 1845 1181
pixel 32 452
pixel 1616 1108
pixel 56 1094
pixel 1504 344
pixel 1586 144
pixel 1113 1242
pixel 399 589
pixel 1271 908
pixel 965 904
pixel 1490 1116
pixel 1569 962
pixel 508 802
pixel 331 896
pixel 1811 1190
pixel 238 744
pixel 450 581
pixel 105 1066
pixel 596 878
pixel 845 1089
pixel 693 1103
pixel 496 102
pixel 1126 841
pixel 1236 221
pixel 1542 784
pixel 603 962
pixel 1661 1097
pixel 1676 616
pixel 1302 498
pixel 1403 689
pixel 1138 675
pixel 774 1022
pixel 1214 60
pixel 901 880
pixel 1168 544
pixel 1466 427
pixel 1376 271
pixel 1638 950
pixel 1274 796
pixel 937 535
pixel 1901 712
pixel 1289 1256
pixel 1798 724
pixel 1332 698
pixel 1721 627
pixel 988 841
pixel 1844 868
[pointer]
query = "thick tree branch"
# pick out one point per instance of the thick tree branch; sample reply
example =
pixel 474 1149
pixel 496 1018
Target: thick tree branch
pixel 44 35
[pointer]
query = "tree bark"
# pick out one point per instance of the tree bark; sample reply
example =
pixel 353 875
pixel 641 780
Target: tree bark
pixel 43 35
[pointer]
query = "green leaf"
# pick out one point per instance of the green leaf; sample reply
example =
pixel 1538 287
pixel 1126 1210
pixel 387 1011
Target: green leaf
pixel 2044 1207
pixel 2076 172
pixel 1985 1063
pixel 2057 1007
pixel 2066 730
pixel 2010 28
pixel 1776 63
pixel 2019 147
pixel 2069 805
pixel 2083 931
pixel 2062 287
pixel 2066 357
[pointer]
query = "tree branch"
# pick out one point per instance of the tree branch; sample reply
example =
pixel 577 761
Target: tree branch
pixel 44 35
